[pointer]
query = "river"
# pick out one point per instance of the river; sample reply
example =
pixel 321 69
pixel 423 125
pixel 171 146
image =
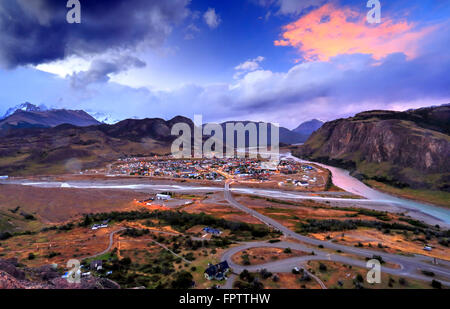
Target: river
pixel 345 181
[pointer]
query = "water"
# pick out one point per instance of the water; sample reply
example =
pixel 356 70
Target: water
pixel 342 179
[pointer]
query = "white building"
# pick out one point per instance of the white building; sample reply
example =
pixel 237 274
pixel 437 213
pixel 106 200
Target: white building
pixel 163 197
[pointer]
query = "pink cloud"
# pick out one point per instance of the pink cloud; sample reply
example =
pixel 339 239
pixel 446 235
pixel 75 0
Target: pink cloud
pixel 329 31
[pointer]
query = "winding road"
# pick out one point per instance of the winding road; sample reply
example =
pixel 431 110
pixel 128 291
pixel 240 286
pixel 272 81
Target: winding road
pixel 409 266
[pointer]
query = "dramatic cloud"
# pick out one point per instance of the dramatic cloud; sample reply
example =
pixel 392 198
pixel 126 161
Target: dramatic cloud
pixel 340 87
pixel 248 66
pixel 211 18
pixel 35 32
pixel 330 31
pixel 100 70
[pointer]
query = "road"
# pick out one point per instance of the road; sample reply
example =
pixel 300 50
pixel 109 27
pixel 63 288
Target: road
pixel 409 266
pixel 111 242
pixel 429 214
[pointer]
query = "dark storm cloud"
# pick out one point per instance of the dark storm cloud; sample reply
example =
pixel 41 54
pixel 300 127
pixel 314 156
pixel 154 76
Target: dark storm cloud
pixel 100 70
pixel 34 32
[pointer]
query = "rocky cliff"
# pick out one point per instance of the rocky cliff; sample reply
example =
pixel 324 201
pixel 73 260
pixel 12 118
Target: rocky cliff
pixel 403 149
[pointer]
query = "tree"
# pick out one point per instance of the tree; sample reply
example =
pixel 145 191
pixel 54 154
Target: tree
pixel 287 250
pixel 436 284
pixel 183 280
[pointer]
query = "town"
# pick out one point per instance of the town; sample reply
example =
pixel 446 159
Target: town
pixel 286 173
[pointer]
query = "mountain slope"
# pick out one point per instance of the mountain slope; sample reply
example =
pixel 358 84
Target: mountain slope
pixel 47 118
pixel 308 127
pixel 403 149
pixel 286 136
pixel 26 107
pixel 67 148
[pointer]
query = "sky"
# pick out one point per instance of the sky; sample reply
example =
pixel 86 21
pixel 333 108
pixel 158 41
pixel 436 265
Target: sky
pixel 284 61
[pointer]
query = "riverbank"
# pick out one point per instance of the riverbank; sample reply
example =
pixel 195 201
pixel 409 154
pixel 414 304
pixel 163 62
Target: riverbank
pixel 344 180
pixel 438 198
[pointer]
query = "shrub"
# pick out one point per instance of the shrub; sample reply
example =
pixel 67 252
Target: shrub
pixel 183 280
pixel 428 273
pixel 436 284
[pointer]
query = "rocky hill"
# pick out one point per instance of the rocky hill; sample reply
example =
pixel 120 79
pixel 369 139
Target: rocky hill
pixel 403 149
pixel 13 275
pixel 68 148
pixel 37 118
pixel 27 107
pixel 308 127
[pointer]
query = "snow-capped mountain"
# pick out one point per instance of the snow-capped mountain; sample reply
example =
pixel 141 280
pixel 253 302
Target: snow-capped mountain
pixel 26 107
pixel 103 118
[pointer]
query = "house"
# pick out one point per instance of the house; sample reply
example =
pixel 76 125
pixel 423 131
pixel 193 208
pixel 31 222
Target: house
pixel 99 226
pixel 163 197
pixel 212 231
pixel 96 265
pixel 217 271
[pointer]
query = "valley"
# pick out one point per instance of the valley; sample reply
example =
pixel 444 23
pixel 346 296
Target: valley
pixel 115 196
pixel 312 225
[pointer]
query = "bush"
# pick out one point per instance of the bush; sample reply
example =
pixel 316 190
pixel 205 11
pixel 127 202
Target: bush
pixel 5 235
pixel 189 256
pixel 183 280
pixel 428 273
pixel 265 274
pixel 245 259
pixel 322 267
pixel 436 284
pixel 52 254
pixel 379 258
pixel 274 241
pixel 246 276
pixel 31 256
pixel 287 250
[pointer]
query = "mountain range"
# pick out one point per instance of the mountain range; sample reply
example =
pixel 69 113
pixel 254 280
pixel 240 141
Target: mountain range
pixel 307 128
pixel 402 149
pixel 27 115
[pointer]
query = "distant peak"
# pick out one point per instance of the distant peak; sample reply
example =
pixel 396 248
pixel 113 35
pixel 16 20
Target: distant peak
pixel 308 127
pixel 26 107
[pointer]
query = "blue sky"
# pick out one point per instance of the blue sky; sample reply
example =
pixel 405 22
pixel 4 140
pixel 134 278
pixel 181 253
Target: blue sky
pixel 285 61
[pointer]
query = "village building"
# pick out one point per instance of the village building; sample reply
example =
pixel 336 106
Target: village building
pixel 217 271
pixel 212 231
pixel 96 265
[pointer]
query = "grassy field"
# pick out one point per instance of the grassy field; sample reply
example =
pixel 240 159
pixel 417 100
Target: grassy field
pixel 340 276
pixel 440 198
